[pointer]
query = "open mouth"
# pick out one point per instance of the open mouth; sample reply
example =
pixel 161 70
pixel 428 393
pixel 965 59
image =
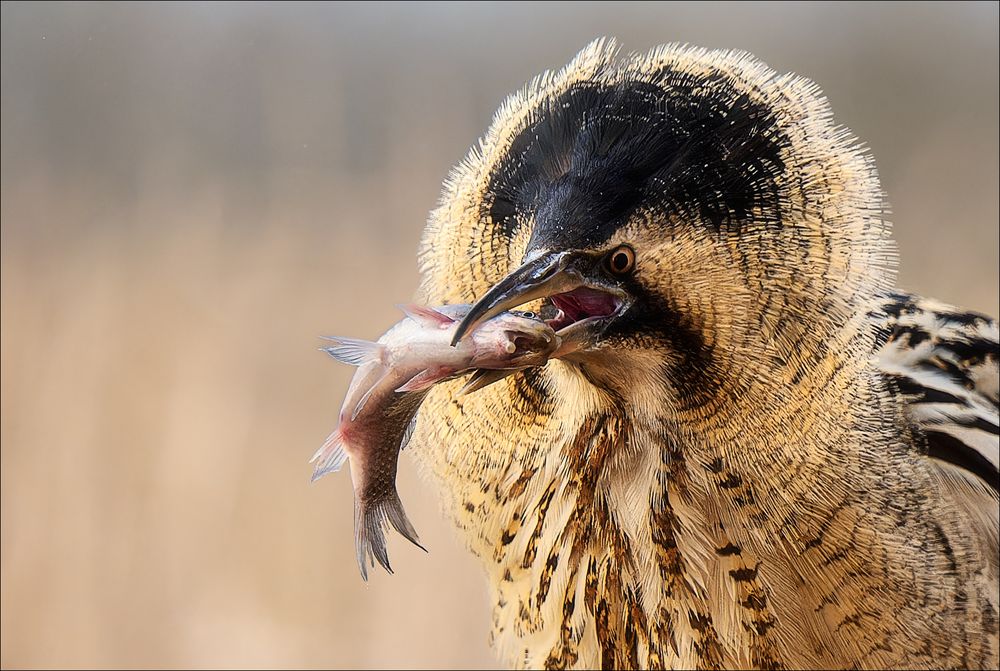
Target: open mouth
pixel 582 304
pixel 573 305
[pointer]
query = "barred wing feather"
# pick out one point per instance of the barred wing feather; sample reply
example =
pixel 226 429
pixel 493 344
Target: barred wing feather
pixel 943 362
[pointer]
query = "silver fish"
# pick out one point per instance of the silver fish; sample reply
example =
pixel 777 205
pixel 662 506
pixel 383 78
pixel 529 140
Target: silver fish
pixel 394 374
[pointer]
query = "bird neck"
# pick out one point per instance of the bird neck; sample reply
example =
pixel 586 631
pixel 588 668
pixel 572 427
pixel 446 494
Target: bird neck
pixel 622 514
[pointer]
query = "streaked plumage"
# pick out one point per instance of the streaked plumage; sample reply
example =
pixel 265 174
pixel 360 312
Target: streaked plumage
pixel 745 470
pixel 944 363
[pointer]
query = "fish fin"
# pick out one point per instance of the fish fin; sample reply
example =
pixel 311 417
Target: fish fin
pixel 425 379
pixel 368 394
pixel 426 316
pixel 369 531
pixel 408 433
pixel 352 351
pixel 400 522
pixel 483 378
pixel 331 456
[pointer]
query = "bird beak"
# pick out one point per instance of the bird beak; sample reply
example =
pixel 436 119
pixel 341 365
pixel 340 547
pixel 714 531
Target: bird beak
pixel 573 280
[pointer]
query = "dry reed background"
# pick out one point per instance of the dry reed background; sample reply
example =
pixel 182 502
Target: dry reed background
pixel 192 193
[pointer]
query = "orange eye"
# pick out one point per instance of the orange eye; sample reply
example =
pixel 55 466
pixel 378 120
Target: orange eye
pixel 621 261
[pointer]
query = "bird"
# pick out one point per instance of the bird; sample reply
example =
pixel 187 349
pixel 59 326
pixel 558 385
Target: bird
pixel 762 454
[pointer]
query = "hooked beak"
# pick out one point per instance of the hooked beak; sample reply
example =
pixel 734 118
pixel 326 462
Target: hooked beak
pixel 587 300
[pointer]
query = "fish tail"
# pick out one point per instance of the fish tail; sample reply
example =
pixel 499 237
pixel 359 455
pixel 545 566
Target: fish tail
pixel 397 517
pixel 370 520
pixel 330 456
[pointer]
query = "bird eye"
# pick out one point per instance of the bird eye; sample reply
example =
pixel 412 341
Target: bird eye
pixel 621 261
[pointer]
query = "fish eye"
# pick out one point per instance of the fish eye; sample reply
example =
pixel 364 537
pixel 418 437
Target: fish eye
pixel 621 260
pixel 528 314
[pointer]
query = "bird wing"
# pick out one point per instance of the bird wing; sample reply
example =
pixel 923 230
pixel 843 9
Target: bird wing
pixel 943 363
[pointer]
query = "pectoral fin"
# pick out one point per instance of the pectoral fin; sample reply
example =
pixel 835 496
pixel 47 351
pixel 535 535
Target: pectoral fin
pixel 425 379
pixel 368 394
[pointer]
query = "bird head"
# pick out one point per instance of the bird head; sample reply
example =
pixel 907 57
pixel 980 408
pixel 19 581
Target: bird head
pixel 692 214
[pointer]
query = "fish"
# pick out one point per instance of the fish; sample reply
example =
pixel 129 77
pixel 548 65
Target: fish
pixel 393 377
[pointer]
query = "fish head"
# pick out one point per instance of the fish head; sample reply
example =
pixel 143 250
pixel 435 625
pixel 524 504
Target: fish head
pixel 513 339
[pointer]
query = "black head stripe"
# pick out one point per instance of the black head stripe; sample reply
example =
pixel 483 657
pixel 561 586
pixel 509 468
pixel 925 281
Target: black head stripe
pixel 689 146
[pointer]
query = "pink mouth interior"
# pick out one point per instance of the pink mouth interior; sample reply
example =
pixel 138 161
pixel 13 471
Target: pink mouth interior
pixel 582 303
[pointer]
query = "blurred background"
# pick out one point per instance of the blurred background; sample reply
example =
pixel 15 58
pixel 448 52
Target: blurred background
pixel 191 193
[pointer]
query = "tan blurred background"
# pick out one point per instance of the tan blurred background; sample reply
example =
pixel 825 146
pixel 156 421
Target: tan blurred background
pixel 192 193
